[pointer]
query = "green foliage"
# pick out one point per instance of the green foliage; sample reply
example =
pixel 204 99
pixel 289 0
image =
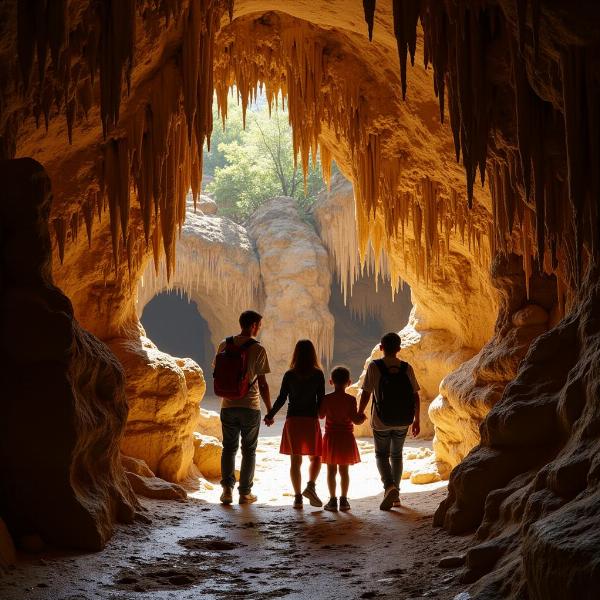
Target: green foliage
pixel 247 167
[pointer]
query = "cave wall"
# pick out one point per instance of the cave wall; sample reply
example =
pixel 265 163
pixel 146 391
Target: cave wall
pixel 63 405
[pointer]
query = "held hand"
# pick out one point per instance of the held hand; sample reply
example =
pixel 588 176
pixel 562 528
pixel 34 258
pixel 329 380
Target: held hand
pixel 361 418
pixel 268 421
pixel 416 428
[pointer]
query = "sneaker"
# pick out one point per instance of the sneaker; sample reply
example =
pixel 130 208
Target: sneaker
pixel 391 495
pixel 248 498
pixel 344 504
pixel 298 502
pixel 311 493
pixel 226 496
pixel 331 505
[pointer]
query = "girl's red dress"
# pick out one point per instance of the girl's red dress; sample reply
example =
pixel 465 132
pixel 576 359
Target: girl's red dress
pixel 339 444
pixel 301 435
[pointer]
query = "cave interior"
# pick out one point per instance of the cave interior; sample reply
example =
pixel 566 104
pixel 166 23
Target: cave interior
pixel 470 133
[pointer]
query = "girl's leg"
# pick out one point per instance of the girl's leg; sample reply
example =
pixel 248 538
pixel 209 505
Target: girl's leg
pixel 295 463
pixel 331 473
pixel 315 468
pixel 344 480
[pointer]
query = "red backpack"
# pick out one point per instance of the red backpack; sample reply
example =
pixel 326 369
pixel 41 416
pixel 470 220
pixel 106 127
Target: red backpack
pixel 231 370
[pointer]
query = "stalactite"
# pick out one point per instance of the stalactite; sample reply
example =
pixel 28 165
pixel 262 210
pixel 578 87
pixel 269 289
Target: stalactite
pixel 406 16
pixel 60 229
pixel 200 271
pixel 74 226
pixel 369 8
pixel 158 154
pixel 88 215
pixel 117 18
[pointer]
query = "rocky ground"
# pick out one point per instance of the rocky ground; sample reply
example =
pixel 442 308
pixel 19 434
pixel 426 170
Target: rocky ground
pixel 200 549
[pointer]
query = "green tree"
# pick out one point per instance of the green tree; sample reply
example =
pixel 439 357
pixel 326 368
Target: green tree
pixel 250 166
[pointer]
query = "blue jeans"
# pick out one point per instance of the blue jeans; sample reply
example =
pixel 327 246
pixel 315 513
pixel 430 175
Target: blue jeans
pixel 388 454
pixel 236 422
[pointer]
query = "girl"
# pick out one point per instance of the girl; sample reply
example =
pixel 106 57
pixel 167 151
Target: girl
pixel 304 385
pixel 339 446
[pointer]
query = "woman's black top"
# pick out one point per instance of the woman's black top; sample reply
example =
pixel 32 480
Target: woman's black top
pixel 304 392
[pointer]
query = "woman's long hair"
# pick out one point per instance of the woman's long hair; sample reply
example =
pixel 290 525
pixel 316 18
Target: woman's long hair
pixel 304 359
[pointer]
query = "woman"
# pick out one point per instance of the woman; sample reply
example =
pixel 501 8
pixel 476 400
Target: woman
pixel 304 386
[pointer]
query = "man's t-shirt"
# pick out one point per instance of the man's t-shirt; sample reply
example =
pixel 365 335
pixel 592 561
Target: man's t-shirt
pixel 258 364
pixel 371 384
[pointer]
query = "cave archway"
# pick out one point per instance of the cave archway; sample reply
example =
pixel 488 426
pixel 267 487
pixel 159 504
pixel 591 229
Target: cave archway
pixel 177 327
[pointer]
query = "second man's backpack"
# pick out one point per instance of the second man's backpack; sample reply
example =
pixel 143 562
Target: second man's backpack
pixel 230 374
pixel 395 398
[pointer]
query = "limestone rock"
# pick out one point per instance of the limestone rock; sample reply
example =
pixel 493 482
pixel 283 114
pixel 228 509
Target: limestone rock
pixel 207 205
pixel 145 483
pixel 538 483
pixel 430 475
pixel 155 487
pixel 210 424
pixel 207 455
pixel 136 465
pixel 164 407
pixel 297 282
pixel 63 478
pixel 468 393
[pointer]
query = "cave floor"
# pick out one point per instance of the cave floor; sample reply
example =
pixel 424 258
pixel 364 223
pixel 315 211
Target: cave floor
pixel 200 549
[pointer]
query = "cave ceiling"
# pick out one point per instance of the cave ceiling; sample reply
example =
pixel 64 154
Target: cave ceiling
pixel 114 99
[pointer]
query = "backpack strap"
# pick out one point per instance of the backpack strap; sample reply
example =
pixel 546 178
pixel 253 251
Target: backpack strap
pixel 380 364
pixel 245 346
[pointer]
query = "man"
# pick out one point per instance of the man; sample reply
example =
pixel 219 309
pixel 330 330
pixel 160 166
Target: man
pixel 389 437
pixel 240 417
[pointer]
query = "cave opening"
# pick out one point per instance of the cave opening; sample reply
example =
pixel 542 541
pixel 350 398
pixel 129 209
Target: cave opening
pixel 417 103
pixel 176 326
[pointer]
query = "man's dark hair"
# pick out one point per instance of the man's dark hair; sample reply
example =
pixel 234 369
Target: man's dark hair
pixel 391 343
pixel 249 318
pixel 340 375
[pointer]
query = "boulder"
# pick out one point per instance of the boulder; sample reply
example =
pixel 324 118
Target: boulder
pixel 155 487
pixel 207 205
pixel 207 455
pixel 210 424
pixel 164 400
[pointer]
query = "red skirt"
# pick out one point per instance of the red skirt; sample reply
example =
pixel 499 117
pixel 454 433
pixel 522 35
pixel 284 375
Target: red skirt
pixel 301 435
pixel 339 448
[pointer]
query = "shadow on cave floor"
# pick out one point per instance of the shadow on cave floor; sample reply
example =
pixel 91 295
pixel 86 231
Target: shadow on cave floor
pixel 200 549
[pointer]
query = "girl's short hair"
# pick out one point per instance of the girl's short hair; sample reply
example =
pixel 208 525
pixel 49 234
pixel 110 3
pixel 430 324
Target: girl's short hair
pixel 304 359
pixel 340 375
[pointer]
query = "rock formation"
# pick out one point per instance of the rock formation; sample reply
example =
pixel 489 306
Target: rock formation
pixel 128 85
pixel 434 341
pixel 297 282
pixel 145 483
pixel 64 406
pixel 164 402
pixel 217 268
